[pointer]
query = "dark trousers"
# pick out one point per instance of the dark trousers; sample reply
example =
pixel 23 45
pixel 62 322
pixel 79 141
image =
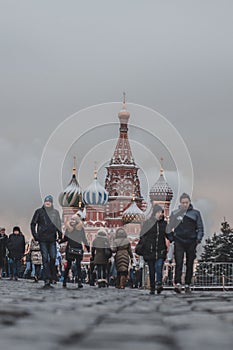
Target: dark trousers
pixel 190 251
pixel 16 264
pixel 48 252
pixel 37 271
pixel 78 267
pixel 102 271
pixel 155 266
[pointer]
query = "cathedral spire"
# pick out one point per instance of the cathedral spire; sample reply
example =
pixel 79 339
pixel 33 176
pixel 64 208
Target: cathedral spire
pixel 161 166
pixel 74 167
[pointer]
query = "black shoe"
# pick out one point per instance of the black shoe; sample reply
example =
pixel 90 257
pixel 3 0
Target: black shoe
pixel 64 284
pixel 159 289
pixel 47 286
pixel 80 285
pixel 152 292
pixel 16 278
pixel 178 288
pixel 54 282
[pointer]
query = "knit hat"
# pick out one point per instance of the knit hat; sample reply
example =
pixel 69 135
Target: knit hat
pixel 16 228
pixel 156 208
pixel 48 198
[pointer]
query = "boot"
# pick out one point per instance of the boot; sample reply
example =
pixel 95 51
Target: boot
pixel 118 282
pixel 122 282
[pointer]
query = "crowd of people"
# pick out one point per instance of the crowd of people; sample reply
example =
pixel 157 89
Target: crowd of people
pixel 53 255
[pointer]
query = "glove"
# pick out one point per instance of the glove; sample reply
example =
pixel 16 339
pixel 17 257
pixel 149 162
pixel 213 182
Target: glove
pixel 36 238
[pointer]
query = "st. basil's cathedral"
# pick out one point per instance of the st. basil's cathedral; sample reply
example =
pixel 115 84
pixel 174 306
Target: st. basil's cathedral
pixel 120 202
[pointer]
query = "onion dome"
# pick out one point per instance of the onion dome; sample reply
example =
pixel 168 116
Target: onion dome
pixel 133 214
pixel 161 191
pixel 95 193
pixel 124 114
pixel 72 195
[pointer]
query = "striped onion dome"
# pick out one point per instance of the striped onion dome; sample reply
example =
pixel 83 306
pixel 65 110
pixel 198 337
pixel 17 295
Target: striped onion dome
pixel 95 193
pixel 161 190
pixel 72 195
pixel 133 214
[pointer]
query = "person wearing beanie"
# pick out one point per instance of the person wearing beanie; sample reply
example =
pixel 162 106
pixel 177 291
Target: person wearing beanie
pixel 75 237
pixel 152 246
pixel 186 228
pixel 16 248
pixel 46 228
pixel 101 253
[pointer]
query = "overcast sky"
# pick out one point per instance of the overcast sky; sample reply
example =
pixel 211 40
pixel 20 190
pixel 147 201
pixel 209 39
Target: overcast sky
pixel 58 57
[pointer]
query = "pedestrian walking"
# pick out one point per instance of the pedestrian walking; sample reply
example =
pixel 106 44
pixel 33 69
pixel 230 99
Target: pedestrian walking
pixel 75 237
pixel 36 259
pixel 101 253
pixel 152 246
pixel 187 231
pixel 16 248
pixel 123 256
pixel 46 228
pixel 3 244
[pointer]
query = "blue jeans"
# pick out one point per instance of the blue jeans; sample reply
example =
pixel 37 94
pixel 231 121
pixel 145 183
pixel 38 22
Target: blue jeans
pixel 48 252
pixel 155 266
pixel 15 266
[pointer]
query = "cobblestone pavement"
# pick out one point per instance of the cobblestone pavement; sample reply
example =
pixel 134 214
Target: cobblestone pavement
pixel 92 318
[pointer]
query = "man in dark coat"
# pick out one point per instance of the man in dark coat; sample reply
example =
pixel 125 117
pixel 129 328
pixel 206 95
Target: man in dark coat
pixel 152 246
pixel 3 243
pixel 45 227
pixel 16 247
pixel 186 228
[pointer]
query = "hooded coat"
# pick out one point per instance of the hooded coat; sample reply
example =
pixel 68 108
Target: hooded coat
pixel 16 245
pixel 123 251
pixel 74 238
pixel 98 249
pixel 152 242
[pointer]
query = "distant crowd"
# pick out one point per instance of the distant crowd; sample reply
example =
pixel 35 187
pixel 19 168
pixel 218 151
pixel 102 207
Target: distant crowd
pixel 55 256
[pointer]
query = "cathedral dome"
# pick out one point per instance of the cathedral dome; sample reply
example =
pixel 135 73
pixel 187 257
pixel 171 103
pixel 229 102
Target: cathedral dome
pixel 95 193
pixel 133 214
pixel 161 190
pixel 72 195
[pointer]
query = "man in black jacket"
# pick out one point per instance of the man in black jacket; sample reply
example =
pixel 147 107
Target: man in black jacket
pixel 45 226
pixel 186 227
pixel 16 247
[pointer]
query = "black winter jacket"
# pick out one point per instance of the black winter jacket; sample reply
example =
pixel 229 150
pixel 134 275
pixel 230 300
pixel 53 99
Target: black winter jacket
pixel 46 224
pixel 187 225
pixel 75 239
pixel 152 241
pixel 16 246
pixel 3 243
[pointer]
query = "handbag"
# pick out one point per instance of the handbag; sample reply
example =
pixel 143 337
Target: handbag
pixel 75 252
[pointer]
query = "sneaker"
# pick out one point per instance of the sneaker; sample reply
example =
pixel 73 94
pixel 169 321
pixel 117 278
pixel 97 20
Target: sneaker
pixel 159 289
pixel 187 289
pixel 177 288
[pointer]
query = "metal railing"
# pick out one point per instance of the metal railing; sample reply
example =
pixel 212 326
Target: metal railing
pixel 205 274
